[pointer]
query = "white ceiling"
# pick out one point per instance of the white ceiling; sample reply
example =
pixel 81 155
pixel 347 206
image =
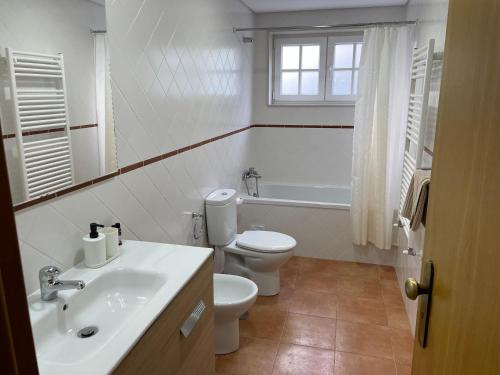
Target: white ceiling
pixel 263 6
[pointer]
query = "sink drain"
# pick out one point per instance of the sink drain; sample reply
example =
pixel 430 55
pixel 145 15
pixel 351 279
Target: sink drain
pixel 87 332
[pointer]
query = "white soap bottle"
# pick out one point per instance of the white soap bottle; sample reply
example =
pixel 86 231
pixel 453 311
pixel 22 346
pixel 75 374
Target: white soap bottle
pixel 94 247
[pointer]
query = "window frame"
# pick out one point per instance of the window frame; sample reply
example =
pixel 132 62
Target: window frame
pixel 332 41
pixel 274 64
pixel 299 41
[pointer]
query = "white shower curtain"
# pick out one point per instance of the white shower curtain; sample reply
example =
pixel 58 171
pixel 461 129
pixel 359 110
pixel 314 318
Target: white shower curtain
pixel 104 106
pixel 379 126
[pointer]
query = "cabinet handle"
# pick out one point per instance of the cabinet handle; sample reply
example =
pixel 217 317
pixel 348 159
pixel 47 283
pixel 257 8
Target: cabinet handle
pixel 193 318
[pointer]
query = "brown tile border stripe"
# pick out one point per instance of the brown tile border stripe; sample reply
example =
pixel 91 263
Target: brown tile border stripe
pixel 158 158
pixel 123 170
pixel 36 132
pixel 303 126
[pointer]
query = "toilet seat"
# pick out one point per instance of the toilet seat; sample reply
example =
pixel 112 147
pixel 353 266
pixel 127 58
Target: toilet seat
pixel 265 241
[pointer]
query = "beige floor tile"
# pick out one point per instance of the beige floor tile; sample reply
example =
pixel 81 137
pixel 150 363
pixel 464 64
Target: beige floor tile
pixel 264 321
pixel 355 364
pixel 362 310
pixel 254 357
pixel 352 286
pixel 387 273
pixel 402 345
pixel 313 303
pixel 301 360
pixel 316 281
pixel 310 331
pixel 364 339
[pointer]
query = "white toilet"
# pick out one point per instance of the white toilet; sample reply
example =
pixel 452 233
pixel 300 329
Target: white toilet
pixel 233 296
pixel 253 254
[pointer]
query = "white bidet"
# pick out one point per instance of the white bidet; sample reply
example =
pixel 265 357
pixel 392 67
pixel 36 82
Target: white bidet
pixel 233 296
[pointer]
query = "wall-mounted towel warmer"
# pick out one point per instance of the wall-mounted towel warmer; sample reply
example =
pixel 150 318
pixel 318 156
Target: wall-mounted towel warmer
pixel 38 91
pixel 421 69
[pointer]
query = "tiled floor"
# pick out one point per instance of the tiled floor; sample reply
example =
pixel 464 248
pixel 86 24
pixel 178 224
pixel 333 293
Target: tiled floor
pixel 331 317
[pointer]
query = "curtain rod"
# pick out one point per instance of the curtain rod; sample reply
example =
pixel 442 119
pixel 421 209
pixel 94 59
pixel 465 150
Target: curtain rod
pixel 326 27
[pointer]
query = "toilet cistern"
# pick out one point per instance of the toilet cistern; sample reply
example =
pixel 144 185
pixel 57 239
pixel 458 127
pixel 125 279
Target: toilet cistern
pixel 50 283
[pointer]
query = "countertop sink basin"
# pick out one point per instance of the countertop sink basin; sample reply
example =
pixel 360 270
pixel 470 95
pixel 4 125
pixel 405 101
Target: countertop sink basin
pixel 89 331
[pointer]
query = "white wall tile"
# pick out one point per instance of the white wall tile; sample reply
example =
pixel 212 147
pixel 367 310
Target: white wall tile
pixel 33 260
pixel 162 101
pixel 46 230
pixel 432 17
pixel 302 156
pixel 320 233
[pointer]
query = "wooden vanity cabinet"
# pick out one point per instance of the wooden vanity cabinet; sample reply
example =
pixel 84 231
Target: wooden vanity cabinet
pixel 163 349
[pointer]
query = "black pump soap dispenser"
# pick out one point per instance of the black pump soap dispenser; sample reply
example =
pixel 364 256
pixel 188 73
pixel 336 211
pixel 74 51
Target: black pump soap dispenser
pixel 93 230
pixel 118 226
pixel 94 247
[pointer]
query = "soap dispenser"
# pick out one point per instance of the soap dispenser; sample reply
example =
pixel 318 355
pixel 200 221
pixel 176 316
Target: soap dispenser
pixel 94 247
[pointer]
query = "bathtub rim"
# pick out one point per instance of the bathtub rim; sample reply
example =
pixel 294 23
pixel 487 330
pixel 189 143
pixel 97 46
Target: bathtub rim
pixel 246 199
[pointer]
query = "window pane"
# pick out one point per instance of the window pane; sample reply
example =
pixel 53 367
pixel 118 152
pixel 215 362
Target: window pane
pixel 290 57
pixel 358 54
pixel 343 55
pixel 341 82
pixel 309 83
pixel 289 83
pixel 310 57
pixel 355 83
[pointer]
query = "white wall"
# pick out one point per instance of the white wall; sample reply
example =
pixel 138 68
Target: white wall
pixel 432 15
pixel 303 115
pixel 179 76
pixel 305 156
pixel 324 233
pixel 55 26
pixel 302 156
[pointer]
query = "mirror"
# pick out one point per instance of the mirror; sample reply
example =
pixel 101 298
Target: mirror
pixel 55 95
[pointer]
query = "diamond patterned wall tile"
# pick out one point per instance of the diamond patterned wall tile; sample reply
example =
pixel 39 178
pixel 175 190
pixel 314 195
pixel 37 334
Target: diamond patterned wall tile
pixel 179 76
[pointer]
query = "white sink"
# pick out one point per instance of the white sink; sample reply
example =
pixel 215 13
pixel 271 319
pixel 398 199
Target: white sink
pixel 121 299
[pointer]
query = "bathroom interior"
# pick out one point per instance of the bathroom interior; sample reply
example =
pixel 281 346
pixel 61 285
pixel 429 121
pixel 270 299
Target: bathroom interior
pixel 243 187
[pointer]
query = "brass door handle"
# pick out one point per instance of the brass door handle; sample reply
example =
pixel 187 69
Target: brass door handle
pixel 413 289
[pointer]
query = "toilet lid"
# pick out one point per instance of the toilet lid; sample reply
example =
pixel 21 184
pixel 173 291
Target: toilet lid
pixel 265 241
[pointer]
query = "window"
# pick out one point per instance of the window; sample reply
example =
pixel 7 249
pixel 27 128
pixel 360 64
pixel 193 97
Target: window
pixel 315 69
pixel 300 73
pixel 342 80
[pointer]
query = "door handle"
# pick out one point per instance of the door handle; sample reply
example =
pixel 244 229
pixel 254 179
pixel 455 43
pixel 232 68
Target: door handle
pixel 413 289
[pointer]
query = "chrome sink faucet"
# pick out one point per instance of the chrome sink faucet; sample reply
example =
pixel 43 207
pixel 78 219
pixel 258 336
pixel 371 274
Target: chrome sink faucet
pixel 50 283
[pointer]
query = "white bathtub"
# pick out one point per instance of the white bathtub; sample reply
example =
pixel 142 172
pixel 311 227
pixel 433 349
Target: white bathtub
pixel 302 196
pixel 317 217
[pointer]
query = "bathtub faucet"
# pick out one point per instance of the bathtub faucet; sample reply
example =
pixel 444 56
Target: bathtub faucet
pixel 251 173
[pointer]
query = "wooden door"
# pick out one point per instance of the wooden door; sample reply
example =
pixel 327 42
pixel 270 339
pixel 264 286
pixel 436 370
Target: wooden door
pixel 463 226
pixel 17 351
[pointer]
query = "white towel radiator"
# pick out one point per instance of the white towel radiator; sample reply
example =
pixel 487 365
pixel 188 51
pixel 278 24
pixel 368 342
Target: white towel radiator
pixel 38 92
pixel 421 69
